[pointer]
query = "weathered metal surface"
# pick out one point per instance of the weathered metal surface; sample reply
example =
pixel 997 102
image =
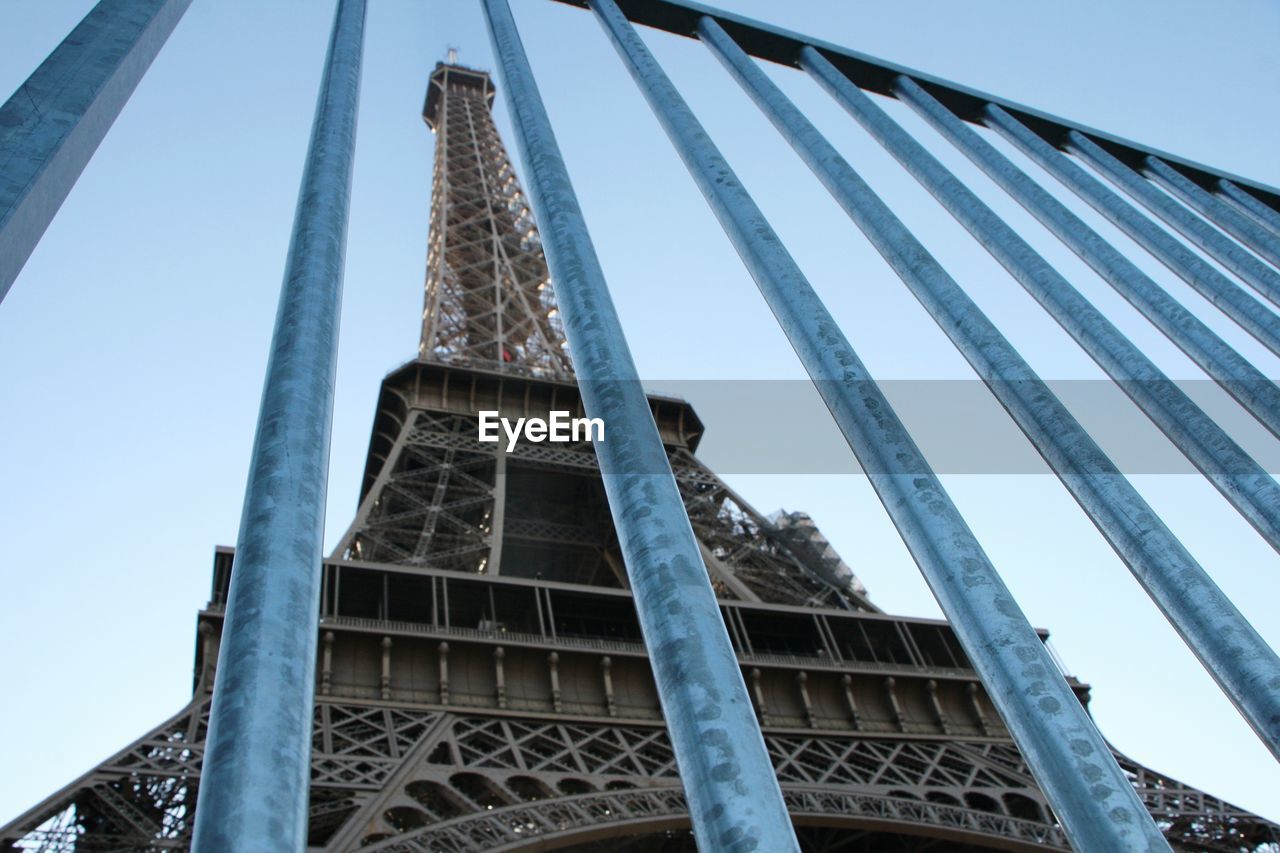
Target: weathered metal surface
pixel 1096 806
pixel 1240 479
pixel 1249 385
pixel 876 74
pixel 1229 297
pixel 1217 211
pixel 50 127
pixel 864 725
pixel 1230 649
pixel 1249 203
pixel 733 795
pixel 1213 242
pixel 257 767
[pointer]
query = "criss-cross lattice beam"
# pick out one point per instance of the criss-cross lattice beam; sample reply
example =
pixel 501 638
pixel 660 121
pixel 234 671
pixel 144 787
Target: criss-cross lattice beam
pixel 488 298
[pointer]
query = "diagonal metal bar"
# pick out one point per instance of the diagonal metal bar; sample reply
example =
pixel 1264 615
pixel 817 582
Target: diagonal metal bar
pixel 1213 242
pixel 1234 473
pixel 1248 385
pixel 53 123
pixel 734 798
pixel 1250 204
pixel 1046 719
pixel 1229 297
pixel 1215 210
pixel 1230 649
pixel 257 766
pixel 872 73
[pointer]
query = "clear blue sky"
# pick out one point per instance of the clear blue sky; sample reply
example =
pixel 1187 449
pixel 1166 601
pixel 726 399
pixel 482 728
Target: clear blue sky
pixel 134 342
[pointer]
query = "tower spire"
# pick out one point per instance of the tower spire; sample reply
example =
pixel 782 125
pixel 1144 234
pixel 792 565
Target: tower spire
pixel 488 302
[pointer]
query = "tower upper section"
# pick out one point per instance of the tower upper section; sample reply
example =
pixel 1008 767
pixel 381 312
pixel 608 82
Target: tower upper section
pixel 489 301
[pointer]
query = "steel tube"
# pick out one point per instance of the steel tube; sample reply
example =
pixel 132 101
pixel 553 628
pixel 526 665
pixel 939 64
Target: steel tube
pixel 1229 297
pixel 1214 209
pixel 1233 471
pixel 257 762
pixel 734 799
pixel 1046 719
pixel 1228 646
pixel 1217 245
pixel 50 127
pixel 1246 202
pixel 1249 386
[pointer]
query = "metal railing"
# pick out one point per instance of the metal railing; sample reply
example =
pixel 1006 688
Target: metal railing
pixel 258 795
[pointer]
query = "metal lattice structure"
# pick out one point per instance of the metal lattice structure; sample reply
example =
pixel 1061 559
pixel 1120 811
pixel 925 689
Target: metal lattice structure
pixel 486 676
pixel 511 714
pixel 488 299
pixel 482 679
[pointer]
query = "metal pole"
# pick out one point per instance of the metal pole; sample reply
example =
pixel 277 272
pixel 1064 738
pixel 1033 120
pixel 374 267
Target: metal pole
pixel 734 799
pixel 1213 242
pixel 1229 297
pixel 1093 799
pixel 1215 209
pixel 1245 201
pixel 1248 385
pixel 257 762
pixel 52 125
pixel 1240 479
pixel 1228 646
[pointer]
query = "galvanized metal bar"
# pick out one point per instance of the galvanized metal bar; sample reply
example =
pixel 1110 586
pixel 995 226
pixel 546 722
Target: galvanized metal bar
pixel 1245 483
pixel 1092 798
pixel 1229 297
pixel 1233 652
pixel 1244 382
pixel 1217 245
pixel 734 799
pixel 257 761
pixel 50 127
pixel 1262 213
pixel 1248 385
pixel 1214 209
pixel 1232 470
pixel 872 73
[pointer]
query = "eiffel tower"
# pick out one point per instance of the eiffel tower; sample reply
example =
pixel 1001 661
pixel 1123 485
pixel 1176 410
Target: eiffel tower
pixel 482 681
